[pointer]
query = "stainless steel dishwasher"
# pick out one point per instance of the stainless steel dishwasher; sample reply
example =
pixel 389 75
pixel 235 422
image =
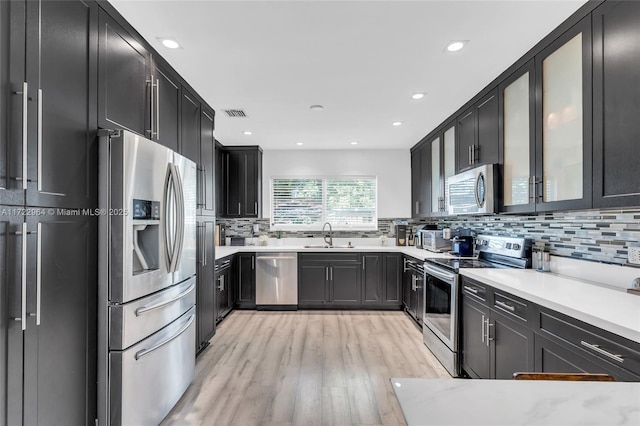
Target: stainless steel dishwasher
pixel 277 281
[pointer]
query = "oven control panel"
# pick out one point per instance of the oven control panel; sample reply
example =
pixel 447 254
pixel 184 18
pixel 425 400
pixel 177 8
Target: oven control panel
pixel 507 246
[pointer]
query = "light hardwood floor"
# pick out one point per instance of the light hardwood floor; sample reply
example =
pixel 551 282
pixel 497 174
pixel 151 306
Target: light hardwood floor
pixel 305 368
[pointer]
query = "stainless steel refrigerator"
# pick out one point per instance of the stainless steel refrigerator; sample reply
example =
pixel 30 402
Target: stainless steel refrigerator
pixel 147 267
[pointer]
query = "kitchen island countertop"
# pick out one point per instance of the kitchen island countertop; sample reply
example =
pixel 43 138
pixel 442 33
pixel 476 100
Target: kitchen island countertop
pixel 517 402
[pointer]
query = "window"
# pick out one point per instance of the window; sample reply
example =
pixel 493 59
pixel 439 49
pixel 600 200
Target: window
pixel 347 202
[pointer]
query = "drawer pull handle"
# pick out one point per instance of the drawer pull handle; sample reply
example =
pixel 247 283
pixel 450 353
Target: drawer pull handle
pixel 471 289
pixel 505 306
pixel 596 348
pixel 141 310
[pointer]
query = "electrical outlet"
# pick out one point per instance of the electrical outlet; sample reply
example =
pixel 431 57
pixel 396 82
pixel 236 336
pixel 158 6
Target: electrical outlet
pixel 634 255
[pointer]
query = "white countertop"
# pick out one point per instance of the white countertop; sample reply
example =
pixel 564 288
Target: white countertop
pixel 224 251
pixel 613 310
pixel 517 402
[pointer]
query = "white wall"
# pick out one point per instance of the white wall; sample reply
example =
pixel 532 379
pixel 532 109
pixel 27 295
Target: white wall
pixel 392 168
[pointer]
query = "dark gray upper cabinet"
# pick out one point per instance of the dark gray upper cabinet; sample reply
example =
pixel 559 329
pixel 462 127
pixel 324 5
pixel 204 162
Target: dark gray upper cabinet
pixel 207 179
pixel 564 122
pixel 62 58
pixel 616 108
pixel 220 177
pixel 164 113
pixel 124 86
pixel 12 96
pixel 242 181
pixel 466 137
pixel 190 126
pixel 478 129
pixel 517 141
pixel 49 145
pixel 420 181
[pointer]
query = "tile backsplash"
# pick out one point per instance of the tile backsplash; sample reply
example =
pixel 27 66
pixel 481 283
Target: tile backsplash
pixel 595 235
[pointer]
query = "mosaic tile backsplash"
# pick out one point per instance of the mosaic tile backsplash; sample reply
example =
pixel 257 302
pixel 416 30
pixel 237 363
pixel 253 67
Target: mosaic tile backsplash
pixel 595 235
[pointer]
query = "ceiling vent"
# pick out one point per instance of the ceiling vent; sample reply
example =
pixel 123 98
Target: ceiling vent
pixel 235 113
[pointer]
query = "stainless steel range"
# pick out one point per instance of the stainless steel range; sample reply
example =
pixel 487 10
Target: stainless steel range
pixel 441 295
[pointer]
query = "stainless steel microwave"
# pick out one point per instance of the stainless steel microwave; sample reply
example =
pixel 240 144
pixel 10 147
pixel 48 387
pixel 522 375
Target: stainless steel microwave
pixel 474 191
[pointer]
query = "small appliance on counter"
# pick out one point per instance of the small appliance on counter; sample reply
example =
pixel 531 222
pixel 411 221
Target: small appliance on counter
pixel 434 240
pixel 462 246
pixel 220 235
pixel 401 234
pixel 417 238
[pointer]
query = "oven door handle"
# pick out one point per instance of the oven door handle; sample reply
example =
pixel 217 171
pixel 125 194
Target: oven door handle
pixel 439 274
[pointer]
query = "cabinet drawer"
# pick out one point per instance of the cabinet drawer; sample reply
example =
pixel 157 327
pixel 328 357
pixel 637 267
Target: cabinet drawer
pixel 606 346
pixel 223 263
pixel 329 257
pixel 510 305
pixel 474 289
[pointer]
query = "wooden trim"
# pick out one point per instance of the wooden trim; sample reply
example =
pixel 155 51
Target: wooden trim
pixel 580 377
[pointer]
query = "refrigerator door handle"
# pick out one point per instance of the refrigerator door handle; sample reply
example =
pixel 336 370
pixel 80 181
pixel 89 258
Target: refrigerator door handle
pixel 171 218
pixel 146 351
pixel 181 216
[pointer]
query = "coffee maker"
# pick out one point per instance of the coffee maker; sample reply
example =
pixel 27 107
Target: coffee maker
pixel 401 235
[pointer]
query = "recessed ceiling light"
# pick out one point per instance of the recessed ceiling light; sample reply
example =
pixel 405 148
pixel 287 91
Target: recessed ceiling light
pixel 354 143
pixel 247 132
pixel 456 45
pixel 397 123
pixel 417 95
pixel 170 44
pixel 299 143
pixel 316 107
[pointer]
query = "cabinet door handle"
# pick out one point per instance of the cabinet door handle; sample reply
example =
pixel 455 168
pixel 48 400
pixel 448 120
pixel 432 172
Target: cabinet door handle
pixel 482 324
pixel 38 273
pixel 204 244
pixel 157 107
pixel 417 207
pixel 489 339
pixel 238 208
pixel 469 154
pixel 471 289
pixel 255 208
pixel 364 260
pixel 39 146
pixel 253 262
pixel 331 272
pixel 326 273
pixel 25 140
pixel 505 306
pixel 151 108
pixel 23 316
pixel 598 349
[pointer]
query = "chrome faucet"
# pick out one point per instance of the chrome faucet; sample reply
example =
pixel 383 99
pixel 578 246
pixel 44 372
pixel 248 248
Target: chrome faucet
pixel 330 236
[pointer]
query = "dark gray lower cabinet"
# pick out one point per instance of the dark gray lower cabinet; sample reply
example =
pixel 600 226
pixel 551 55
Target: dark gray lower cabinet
pixel 329 280
pixel 413 289
pixel 502 334
pixel 246 280
pixel 50 341
pixel 494 345
pixel 205 286
pixel 224 287
pixel 382 280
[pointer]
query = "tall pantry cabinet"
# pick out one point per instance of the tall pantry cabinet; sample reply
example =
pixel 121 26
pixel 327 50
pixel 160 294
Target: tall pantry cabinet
pixel 48 157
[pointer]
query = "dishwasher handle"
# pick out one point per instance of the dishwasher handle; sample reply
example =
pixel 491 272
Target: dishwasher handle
pixel 277 258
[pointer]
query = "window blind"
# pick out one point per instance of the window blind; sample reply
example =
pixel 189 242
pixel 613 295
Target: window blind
pixel 299 203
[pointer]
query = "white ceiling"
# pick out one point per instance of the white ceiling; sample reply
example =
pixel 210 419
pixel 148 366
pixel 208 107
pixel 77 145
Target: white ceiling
pixel 361 60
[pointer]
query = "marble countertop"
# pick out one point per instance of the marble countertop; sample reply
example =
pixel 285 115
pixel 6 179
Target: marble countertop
pixel 517 402
pixel 612 310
